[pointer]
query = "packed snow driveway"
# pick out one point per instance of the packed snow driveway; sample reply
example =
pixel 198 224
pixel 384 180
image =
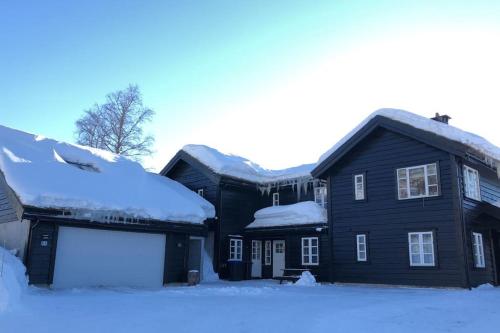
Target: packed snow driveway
pixel 255 306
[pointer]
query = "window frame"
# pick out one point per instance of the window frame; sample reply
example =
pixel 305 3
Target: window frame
pixel 268 253
pixel 309 255
pixel 479 258
pixel 358 243
pixel 233 249
pixel 322 193
pixel 200 192
pixel 276 199
pixel 363 177
pixel 477 183
pixel 426 182
pixel 421 252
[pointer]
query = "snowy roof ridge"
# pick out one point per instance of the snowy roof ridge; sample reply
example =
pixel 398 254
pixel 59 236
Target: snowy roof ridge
pixel 301 213
pixel 471 140
pixel 46 173
pixel 242 168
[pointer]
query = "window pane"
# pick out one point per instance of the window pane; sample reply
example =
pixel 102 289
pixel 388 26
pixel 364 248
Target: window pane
pixel 427 238
pixel 314 242
pixel 417 182
pixel 415 248
pixel 433 190
pixel 432 180
pixel 314 250
pixel 362 247
pixel 314 259
pixel 306 250
pixel 428 248
pixel 305 259
pixel 431 169
pixel 415 259
pixel 414 238
pixel 428 258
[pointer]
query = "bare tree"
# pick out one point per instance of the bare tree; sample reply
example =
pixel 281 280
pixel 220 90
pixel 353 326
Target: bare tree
pixel 116 125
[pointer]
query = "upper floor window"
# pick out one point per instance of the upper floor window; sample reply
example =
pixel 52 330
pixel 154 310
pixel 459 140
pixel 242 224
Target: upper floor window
pixel 276 199
pixel 201 193
pixel 310 251
pixel 418 181
pixel 235 249
pixel 471 183
pixel 320 196
pixel 361 247
pixel 478 250
pixel 359 187
pixel 421 247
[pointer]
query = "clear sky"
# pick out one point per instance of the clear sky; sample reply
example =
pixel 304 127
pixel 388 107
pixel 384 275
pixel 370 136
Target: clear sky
pixel 278 82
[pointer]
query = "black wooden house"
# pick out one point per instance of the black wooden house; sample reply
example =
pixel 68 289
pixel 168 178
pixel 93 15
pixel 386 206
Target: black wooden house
pixel 413 201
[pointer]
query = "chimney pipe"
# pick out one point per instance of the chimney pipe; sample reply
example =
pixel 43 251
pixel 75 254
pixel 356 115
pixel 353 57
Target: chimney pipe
pixel 441 118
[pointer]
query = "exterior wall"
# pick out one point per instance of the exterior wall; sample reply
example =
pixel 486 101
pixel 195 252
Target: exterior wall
pixel 293 249
pixel 387 220
pixel 14 236
pixel 41 259
pixel 288 196
pixel 194 180
pixel 476 221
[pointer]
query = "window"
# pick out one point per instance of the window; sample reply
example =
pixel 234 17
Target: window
pixel 418 182
pixel 256 250
pixel 478 249
pixel 471 183
pixel 267 254
pixel 361 247
pixel 235 249
pixel 310 251
pixel 201 193
pixel 421 246
pixel 276 199
pixel 359 187
pixel 320 196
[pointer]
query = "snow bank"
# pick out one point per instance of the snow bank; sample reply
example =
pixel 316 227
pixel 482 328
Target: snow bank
pixel 49 174
pixel 209 274
pixel 307 212
pixel 471 140
pixel 13 280
pixel 242 168
pixel 306 280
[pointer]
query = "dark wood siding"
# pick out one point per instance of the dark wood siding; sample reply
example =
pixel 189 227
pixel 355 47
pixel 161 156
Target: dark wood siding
pixel 194 180
pixel 477 221
pixel 9 205
pixel 387 220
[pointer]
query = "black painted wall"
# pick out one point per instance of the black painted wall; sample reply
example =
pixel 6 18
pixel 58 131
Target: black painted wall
pixel 194 180
pixel 388 220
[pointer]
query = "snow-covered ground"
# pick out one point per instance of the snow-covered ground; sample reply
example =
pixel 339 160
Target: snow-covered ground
pixel 255 306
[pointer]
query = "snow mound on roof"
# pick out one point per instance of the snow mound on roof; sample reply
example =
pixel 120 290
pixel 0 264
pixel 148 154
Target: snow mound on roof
pixel 471 140
pixel 13 281
pixel 242 168
pixel 49 174
pixel 307 212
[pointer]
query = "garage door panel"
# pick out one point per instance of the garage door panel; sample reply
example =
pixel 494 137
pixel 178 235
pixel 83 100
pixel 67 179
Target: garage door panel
pixel 93 257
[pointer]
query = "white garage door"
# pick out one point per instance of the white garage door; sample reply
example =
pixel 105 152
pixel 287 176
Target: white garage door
pixel 90 257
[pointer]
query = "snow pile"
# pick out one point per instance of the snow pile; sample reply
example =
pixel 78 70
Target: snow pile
pixel 307 212
pixel 242 168
pixel 13 280
pixel 49 174
pixel 471 140
pixel 306 280
pixel 209 274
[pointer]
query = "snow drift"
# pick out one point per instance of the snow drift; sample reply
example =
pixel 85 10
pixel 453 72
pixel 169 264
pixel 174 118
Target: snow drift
pixel 13 281
pixel 46 173
pixel 471 140
pixel 306 280
pixel 242 168
pixel 307 212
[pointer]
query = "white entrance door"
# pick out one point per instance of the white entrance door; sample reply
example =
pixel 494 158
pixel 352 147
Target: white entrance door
pixel 93 258
pixel 256 258
pixel 278 257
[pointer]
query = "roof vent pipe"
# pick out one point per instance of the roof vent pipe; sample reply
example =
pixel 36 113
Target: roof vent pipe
pixel 441 118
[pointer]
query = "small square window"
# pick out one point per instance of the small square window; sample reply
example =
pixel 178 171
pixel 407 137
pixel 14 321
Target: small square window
pixel 201 193
pixel 276 199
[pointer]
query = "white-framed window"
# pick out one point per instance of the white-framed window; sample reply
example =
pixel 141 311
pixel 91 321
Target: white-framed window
pixel 276 199
pixel 320 196
pixel 418 182
pixel 361 247
pixel 256 250
pixel 478 250
pixel 267 253
pixel 200 192
pixel 235 249
pixel 359 187
pixel 421 248
pixel 472 187
pixel 310 251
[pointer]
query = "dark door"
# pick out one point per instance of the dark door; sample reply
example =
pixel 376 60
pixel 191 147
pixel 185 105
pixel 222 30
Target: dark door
pixel 194 260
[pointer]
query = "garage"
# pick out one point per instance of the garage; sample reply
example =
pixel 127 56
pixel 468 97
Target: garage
pixel 96 258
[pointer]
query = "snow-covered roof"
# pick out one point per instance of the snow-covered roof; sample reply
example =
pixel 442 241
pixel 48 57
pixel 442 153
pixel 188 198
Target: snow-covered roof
pixel 473 141
pixel 46 173
pixel 307 212
pixel 242 168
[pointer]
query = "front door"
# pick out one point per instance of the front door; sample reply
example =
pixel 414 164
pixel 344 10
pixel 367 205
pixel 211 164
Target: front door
pixel 256 258
pixel 195 254
pixel 278 257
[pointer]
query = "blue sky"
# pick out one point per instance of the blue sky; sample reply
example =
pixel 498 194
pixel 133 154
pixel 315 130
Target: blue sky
pixel 276 81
